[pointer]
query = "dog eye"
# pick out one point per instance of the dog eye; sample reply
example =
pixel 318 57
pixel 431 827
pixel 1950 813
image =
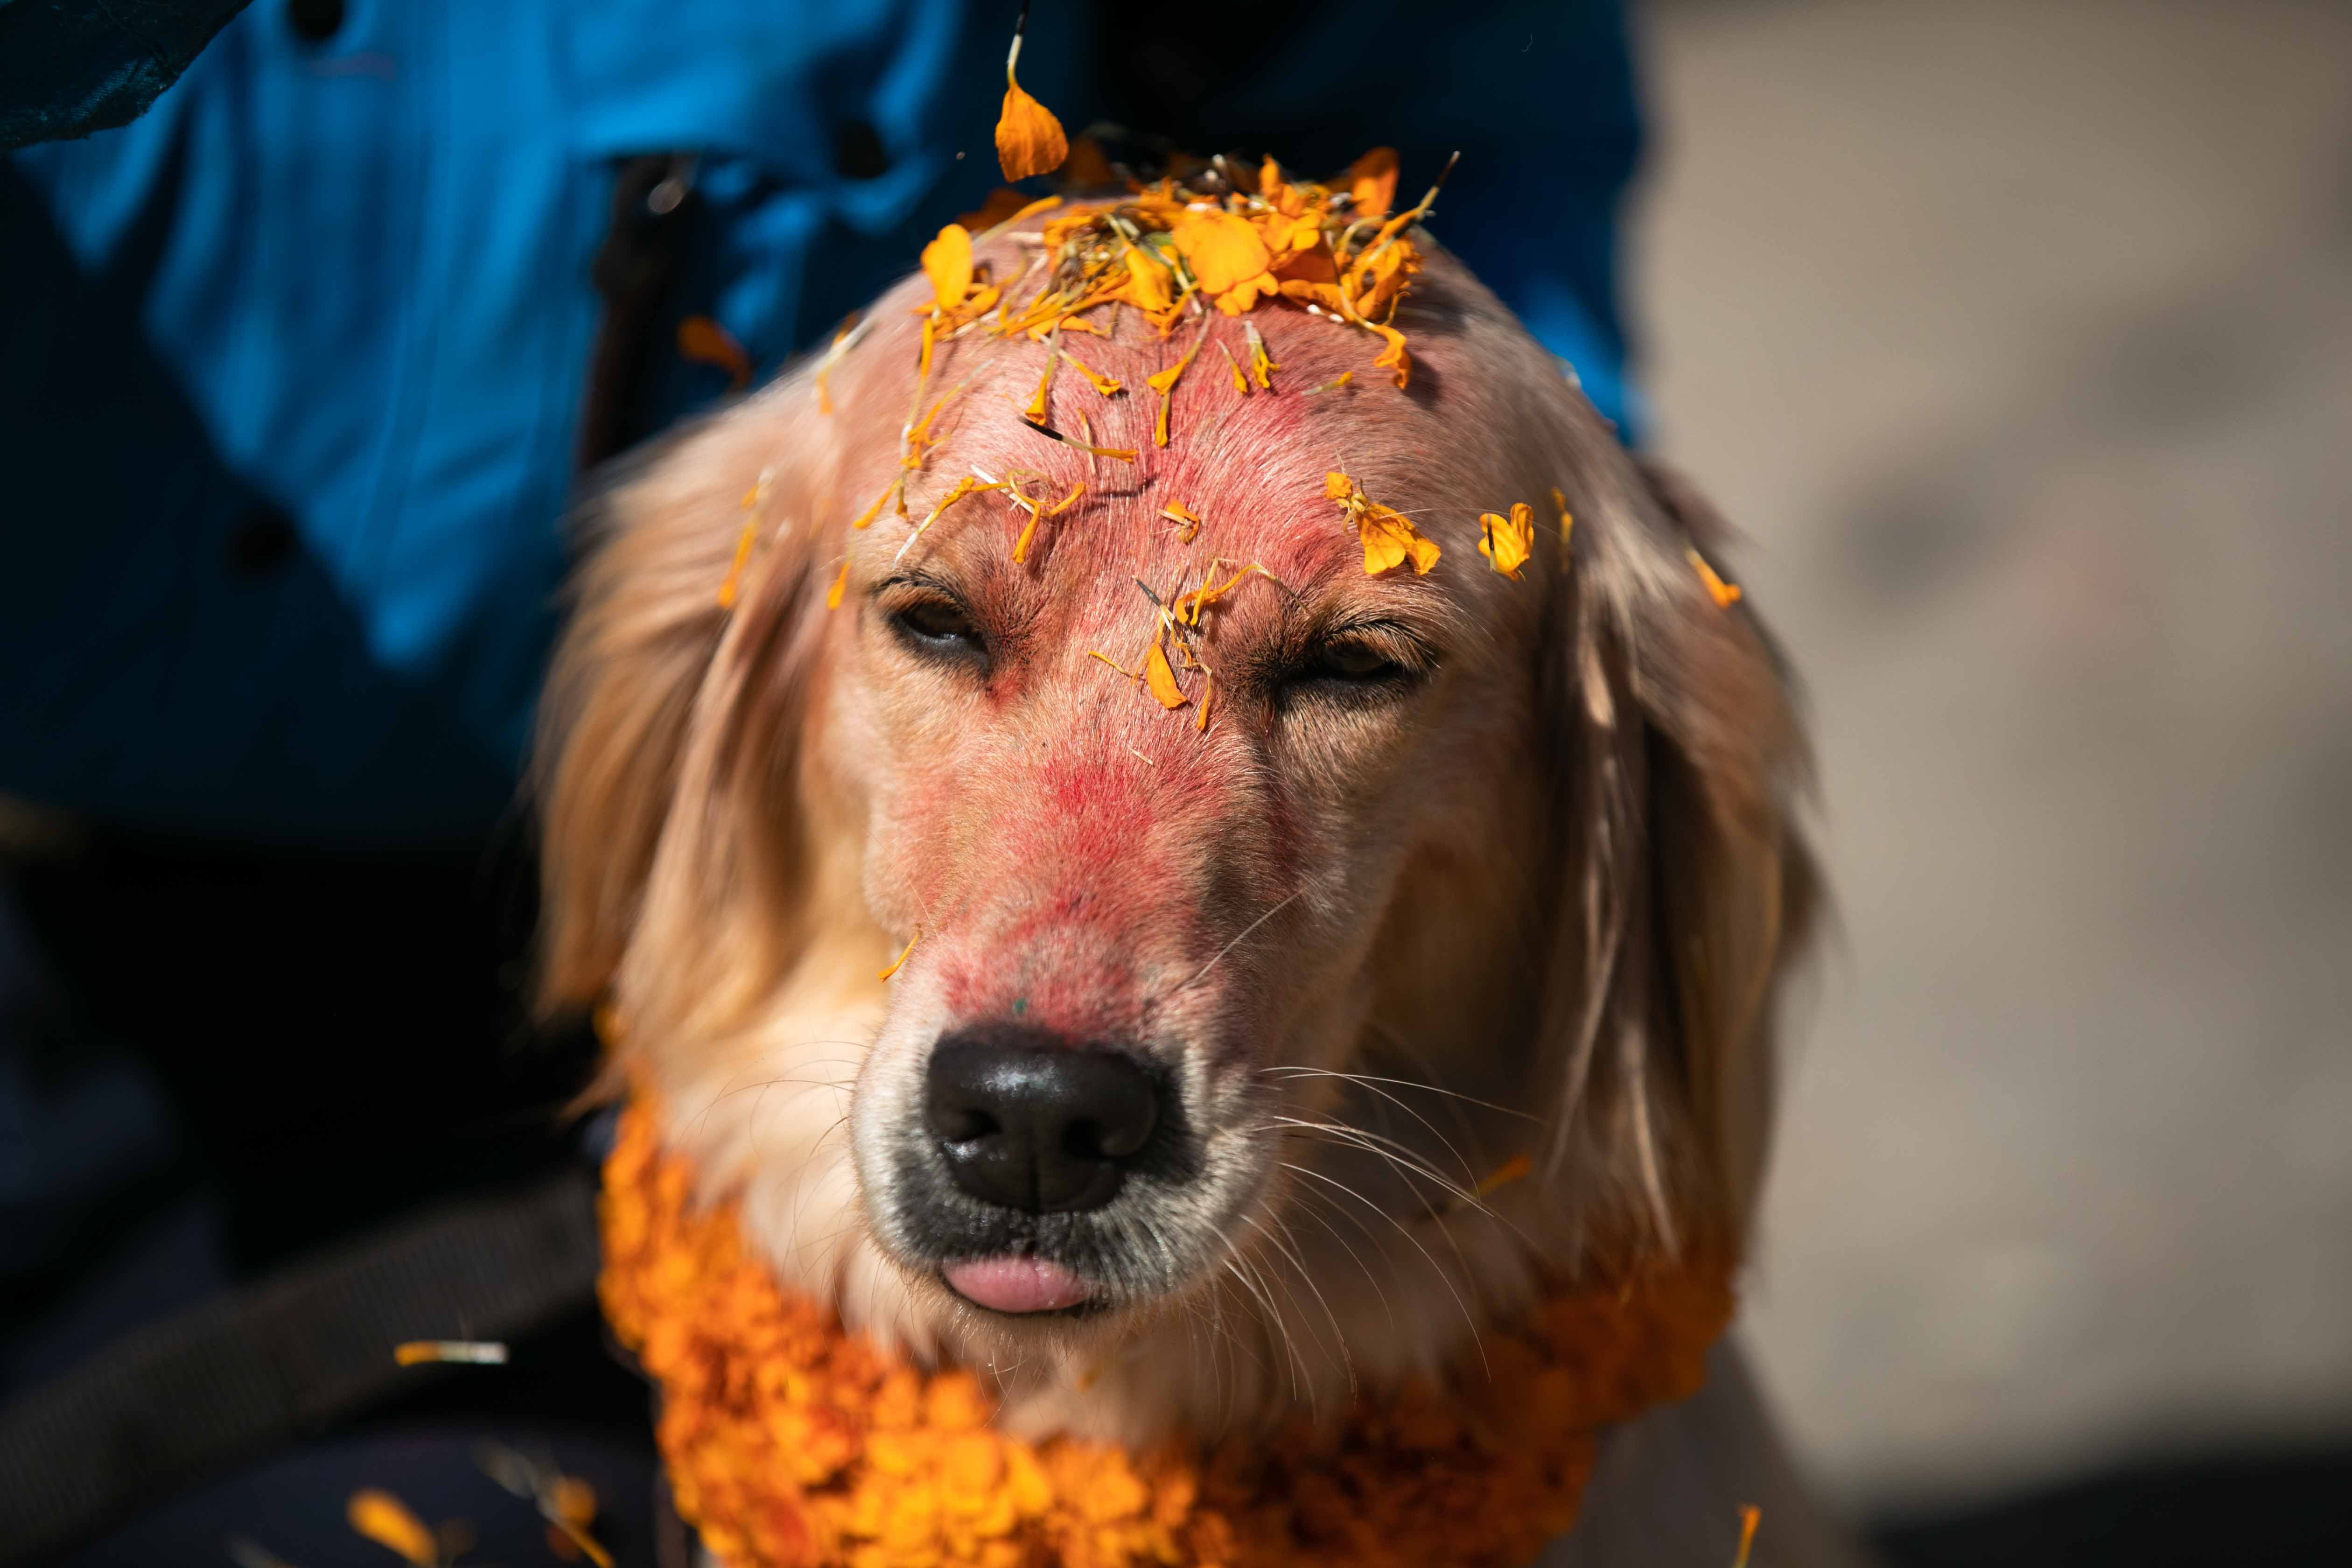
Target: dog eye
pixel 934 627
pixel 1359 663
pixel 1369 665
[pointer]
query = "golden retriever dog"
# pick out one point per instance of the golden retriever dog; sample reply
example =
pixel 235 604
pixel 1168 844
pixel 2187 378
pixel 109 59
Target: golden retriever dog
pixel 1173 1117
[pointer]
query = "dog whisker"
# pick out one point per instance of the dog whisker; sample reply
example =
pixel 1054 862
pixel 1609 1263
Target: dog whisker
pixel 1238 938
pixel 1287 1249
pixel 1468 1318
pixel 1469 1175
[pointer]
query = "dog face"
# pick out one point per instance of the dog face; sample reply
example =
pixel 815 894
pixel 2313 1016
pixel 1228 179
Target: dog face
pixel 1222 994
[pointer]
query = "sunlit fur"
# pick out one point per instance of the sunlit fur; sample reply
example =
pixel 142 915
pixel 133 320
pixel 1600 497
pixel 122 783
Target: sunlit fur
pixel 1538 904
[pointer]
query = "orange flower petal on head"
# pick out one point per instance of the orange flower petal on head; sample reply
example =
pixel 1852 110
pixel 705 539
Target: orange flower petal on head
pixel 1261 363
pixel 1393 358
pixel 1390 540
pixel 1725 594
pixel 947 262
pixel 1223 250
pixel 731 584
pixel 840 585
pixel 1163 382
pixel 1506 542
pixel 1109 386
pixel 1161 677
pixel 871 513
pixel 1387 536
pixel 1371 180
pixel 1241 382
pixel 1560 505
pixel 1148 285
pixel 1029 140
pixel 1036 412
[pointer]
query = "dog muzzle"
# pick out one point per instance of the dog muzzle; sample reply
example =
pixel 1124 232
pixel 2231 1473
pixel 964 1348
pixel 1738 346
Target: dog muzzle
pixel 791 1442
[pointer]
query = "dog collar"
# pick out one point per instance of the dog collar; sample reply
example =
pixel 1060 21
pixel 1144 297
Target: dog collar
pixel 792 1443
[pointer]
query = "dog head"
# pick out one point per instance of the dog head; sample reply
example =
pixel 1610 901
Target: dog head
pixel 1236 986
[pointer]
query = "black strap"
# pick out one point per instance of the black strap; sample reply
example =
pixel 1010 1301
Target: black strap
pixel 636 272
pixel 280 1358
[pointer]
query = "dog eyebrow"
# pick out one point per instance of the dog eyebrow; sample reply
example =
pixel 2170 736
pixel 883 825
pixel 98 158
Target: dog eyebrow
pixel 919 579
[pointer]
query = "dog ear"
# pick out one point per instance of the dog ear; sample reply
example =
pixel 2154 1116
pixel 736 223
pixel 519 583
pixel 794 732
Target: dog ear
pixel 697 569
pixel 1681 762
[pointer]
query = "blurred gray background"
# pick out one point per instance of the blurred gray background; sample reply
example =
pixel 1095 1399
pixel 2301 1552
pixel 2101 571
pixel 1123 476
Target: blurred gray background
pixel 2018 338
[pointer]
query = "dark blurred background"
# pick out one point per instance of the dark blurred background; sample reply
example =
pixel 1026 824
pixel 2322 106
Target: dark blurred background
pixel 2018 337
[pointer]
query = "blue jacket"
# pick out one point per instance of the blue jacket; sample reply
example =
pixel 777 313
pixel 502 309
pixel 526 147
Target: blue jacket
pixel 291 366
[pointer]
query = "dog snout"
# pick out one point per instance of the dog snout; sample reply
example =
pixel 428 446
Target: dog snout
pixel 1029 1121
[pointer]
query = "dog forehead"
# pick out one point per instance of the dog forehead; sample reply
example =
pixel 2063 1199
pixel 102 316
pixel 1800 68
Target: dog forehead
pixel 1241 472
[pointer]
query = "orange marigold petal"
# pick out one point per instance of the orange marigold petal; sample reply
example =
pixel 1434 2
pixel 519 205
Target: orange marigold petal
pixel 389 1522
pixel 1725 594
pixel 705 342
pixel 947 262
pixel 1508 542
pixel 1371 180
pixel 1029 140
pixel 1161 677
pixel 1223 250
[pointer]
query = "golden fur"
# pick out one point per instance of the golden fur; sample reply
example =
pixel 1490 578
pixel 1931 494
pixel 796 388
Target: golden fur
pixel 1538 901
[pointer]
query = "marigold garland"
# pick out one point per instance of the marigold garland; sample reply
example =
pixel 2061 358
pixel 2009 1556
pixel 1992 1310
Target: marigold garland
pixel 790 1442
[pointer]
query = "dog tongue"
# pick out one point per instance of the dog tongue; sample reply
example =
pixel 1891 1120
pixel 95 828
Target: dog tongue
pixel 1018 1284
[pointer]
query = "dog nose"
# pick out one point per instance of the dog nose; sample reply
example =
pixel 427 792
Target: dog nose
pixel 1029 1122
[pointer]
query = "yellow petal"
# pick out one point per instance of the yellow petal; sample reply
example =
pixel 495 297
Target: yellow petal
pixel 732 581
pixel 1029 140
pixel 1036 412
pixel 1515 1169
pixel 840 584
pixel 705 342
pixel 1559 504
pixel 1506 542
pixel 1161 677
pixel 1149 286
pixel 1339 487
pixel 1390 540
pixel 1371 180
pixel 387 1521
pixel 1222 250
pixel 1106 385
pixel 902 954
pixel 1261 362
pixel 947 262
pixel 871 513
pixel 1163 382
pixel 1725 594
pixel 573 1500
